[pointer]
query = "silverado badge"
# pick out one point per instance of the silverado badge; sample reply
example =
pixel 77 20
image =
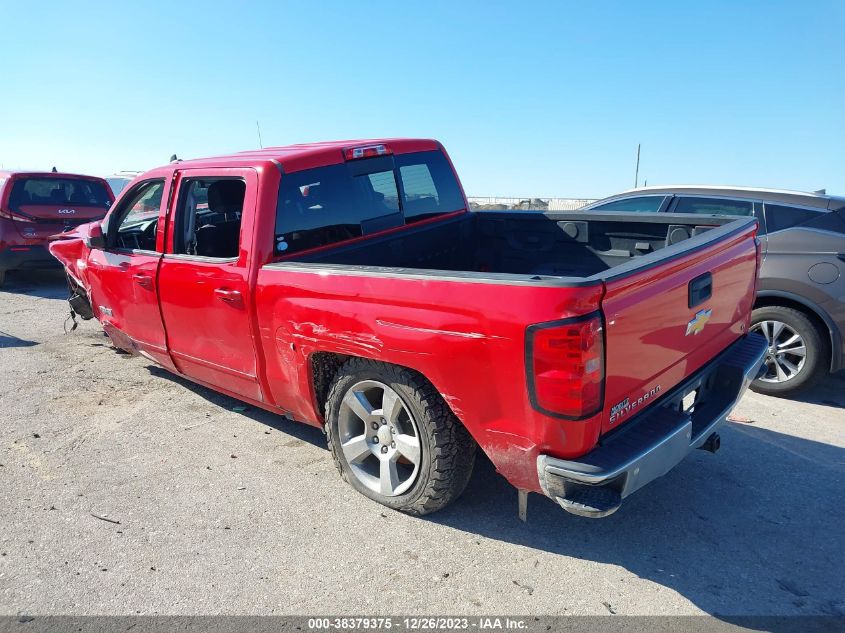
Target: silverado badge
pixel 697 324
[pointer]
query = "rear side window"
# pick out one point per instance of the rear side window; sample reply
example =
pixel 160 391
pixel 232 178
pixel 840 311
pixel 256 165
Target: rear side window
pixel 340 202
pixel 780 217
pixel 59 191
pixel 713 206
pixel 208 217
pixel 642 204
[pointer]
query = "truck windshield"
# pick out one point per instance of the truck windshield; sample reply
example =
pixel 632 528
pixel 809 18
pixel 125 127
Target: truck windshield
pixel 331 204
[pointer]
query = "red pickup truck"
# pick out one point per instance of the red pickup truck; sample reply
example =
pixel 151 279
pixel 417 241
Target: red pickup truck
pixel 348 286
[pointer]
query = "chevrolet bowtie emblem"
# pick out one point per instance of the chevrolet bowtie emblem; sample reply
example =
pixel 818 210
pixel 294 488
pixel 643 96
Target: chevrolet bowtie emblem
pixel 697 324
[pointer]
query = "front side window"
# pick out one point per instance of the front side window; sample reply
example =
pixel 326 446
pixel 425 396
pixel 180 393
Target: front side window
pixel 137 217
pixel 641 204
pixel 208 217
pixel 713 206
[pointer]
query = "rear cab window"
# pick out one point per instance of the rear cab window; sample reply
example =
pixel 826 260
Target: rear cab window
pixel 332 204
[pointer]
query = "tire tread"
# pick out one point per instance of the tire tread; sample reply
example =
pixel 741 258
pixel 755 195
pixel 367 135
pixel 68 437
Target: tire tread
pixel 453 451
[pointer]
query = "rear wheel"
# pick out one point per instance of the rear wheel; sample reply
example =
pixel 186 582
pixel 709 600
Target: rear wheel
pixel 394 439
pixel 797 357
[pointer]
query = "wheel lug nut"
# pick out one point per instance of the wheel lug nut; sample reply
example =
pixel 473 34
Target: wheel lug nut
pixel 375 426
pixel 383 449
pixel 393 445
pixel 375 440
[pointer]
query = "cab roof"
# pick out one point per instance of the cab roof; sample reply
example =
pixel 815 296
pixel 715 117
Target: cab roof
pixel 308 155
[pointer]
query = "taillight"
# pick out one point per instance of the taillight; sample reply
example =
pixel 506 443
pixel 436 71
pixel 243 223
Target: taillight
pixel 15 216
pixel 368 151
pixel 566 366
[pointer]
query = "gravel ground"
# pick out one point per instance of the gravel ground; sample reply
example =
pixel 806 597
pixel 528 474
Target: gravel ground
pixel 126 490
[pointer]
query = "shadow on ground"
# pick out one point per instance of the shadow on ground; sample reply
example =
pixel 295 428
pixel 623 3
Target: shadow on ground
pixel 755 529
pixel 46 284
pixel 8 340
pixel 829 392
pixel 304 432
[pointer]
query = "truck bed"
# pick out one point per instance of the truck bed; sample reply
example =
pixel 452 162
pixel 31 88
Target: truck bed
pixel 485 277
pixel 530 244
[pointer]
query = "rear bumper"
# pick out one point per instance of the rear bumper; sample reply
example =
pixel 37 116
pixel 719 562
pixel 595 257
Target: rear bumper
pixel 26 257
pixel 656 440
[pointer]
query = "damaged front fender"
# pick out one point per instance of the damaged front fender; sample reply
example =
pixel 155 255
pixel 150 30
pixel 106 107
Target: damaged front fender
pixel 71 250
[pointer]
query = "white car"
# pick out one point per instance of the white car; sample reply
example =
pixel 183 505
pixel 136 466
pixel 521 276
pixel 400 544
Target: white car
pixel 118 180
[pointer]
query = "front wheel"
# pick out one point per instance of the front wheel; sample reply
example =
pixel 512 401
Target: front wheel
pixel 394 439
pixel 797 357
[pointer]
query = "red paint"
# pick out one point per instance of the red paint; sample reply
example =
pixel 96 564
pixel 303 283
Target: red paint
pixel 252 331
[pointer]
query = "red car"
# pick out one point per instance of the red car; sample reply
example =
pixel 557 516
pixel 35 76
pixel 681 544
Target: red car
pixel 346 285
pixel 35 206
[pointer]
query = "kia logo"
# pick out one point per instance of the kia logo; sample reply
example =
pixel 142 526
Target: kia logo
pixel 67 211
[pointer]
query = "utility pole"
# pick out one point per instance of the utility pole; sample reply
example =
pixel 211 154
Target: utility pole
pixel 637 172
pixel 258 127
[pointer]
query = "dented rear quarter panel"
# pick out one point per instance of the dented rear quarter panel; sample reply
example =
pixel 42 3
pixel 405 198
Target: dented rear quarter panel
pixel 467 338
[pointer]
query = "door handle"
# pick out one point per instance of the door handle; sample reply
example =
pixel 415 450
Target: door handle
pixel 229 296
pixel 145 281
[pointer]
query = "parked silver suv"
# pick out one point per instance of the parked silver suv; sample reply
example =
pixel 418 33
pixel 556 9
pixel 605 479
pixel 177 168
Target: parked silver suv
pixel 800 305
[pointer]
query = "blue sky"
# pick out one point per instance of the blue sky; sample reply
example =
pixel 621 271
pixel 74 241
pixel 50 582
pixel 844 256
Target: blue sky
pixel 530 98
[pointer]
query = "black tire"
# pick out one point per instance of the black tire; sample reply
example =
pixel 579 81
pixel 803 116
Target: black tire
pixel 447 450
pixel 817 360
pixel 2 277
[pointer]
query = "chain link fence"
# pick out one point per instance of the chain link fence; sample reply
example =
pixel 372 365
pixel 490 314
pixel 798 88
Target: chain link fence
pixel 480 203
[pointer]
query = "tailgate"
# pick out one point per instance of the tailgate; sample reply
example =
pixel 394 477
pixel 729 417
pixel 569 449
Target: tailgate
pixel 669 313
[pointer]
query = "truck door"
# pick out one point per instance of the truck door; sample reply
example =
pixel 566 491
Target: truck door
pixel 122 276
pixel 204 279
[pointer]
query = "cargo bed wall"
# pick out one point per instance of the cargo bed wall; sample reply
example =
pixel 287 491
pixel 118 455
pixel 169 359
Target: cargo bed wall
pixel 527 243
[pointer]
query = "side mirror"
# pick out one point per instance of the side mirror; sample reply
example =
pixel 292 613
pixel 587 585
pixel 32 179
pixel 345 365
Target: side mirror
pixel 96 239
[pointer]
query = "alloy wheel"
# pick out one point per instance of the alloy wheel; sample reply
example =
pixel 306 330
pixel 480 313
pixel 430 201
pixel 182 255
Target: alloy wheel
pixel 379 438
pixel 787 351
